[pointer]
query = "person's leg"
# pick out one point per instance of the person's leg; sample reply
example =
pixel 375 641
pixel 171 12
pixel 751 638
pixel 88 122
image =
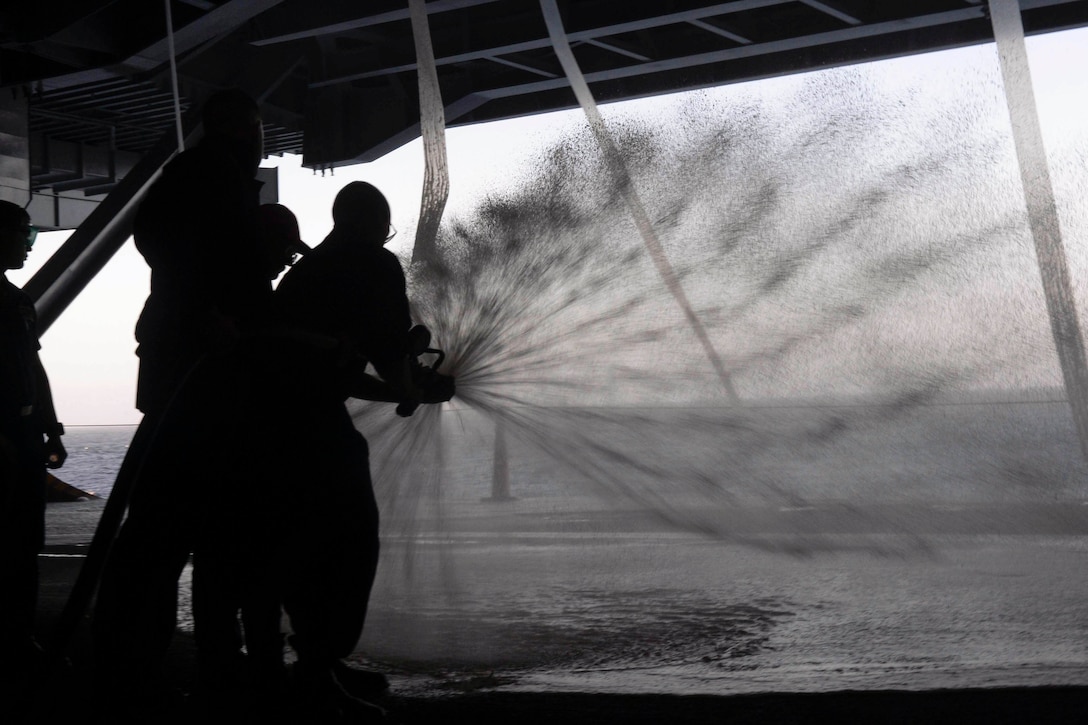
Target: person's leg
pixel 328 603
pixel 335 551
pixel 135 611
pixel 330 571
pixel 262 614
pixel 208 434
pixel 234 574
pixel 218 634
pixel 22 536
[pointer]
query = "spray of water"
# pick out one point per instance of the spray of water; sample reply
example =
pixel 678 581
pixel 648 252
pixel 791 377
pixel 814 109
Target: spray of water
pixel 856 254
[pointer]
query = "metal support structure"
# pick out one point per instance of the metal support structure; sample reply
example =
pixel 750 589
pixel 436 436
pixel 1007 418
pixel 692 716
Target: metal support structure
pixel 14 149
pixel 98 238
pixel 1042 209
pixel 432 122
pixel 174 73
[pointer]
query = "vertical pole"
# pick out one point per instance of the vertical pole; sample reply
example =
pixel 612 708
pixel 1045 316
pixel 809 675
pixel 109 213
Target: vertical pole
pixel 432 125
pixel 174 76
pixel 500 466
pixel 1042 209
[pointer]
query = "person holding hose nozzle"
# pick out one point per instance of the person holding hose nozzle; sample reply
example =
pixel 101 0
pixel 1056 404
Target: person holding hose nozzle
pixel 350 288
pixel 286 515
pixel 310 541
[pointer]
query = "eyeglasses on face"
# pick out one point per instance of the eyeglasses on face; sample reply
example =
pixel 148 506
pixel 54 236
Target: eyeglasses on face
pixel 31 235
pixel 392 232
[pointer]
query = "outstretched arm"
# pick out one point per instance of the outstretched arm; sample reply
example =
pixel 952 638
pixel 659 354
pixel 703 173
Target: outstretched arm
pixel 391 384
pixel 370 387
pixel 414 384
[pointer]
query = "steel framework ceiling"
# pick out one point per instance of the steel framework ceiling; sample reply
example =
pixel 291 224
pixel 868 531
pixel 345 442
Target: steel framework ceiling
pixel 337 79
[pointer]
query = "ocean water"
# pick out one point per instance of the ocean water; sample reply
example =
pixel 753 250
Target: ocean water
pixel 94 456
pixel 561 588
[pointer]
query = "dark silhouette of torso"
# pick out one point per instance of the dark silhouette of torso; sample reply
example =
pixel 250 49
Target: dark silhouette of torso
pixel 198 231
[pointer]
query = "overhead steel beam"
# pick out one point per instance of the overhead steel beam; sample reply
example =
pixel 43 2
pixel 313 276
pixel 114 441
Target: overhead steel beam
pixel 613 48
pixel 213 25
pixel 433 8
pixel 829 9
pixel 454 110
pixel 727 34
pixel 591 34
pixel 97 239
pixel 748 51
pixel 967 13
pixel 857 30
pixel 522 66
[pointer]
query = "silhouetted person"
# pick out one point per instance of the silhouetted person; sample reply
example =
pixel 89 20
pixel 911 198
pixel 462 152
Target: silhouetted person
pixel 198 229
pixel 352 289
pixel 259 610
pixel 310 541
pixel 284 511
pixel 29 443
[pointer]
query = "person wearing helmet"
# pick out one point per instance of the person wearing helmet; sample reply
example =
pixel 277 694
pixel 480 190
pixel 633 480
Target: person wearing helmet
pixel 352 288
pixel 267 414
pixel 344 305
pixel 29 443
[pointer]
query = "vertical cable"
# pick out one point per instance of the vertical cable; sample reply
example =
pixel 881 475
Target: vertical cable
pixel 1042 208
pixel 174 75
pixel 436 190
pixel 618 168
pixel 432 124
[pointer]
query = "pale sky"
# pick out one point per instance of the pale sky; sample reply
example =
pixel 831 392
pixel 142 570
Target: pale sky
pixel 89 351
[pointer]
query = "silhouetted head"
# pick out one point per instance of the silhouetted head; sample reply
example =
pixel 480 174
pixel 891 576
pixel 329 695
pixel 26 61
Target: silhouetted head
pixel 363 211
pixel 280 237
pixel 16 235
pixel 234 114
